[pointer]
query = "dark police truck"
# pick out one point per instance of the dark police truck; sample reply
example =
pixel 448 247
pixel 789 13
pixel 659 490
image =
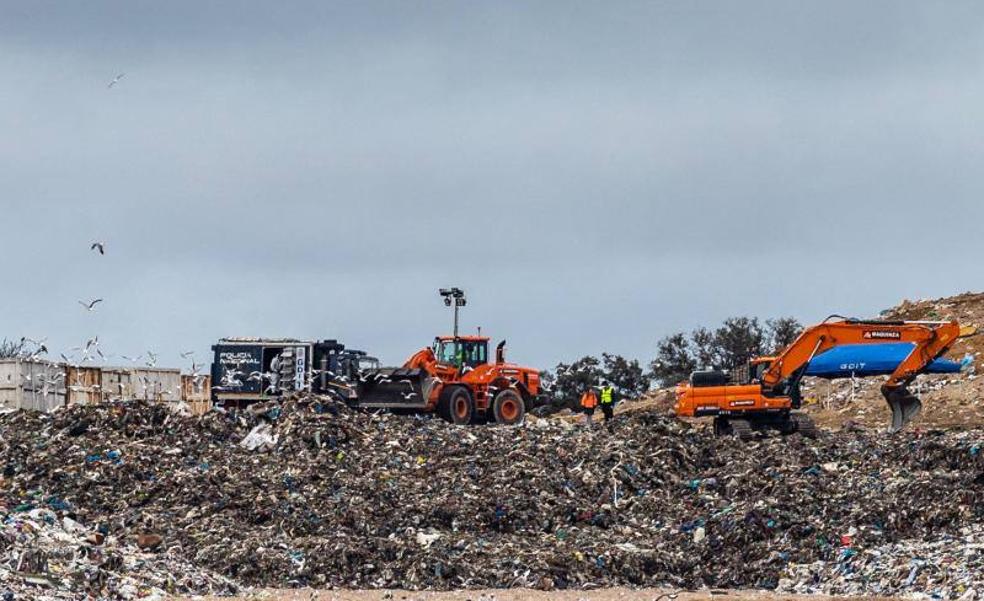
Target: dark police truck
pixel 248 370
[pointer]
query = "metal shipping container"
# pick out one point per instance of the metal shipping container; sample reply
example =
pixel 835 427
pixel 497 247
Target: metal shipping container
pixel 45 385
pixel 84 385
pixel 146 383
pixel 197 392
pixel 38 385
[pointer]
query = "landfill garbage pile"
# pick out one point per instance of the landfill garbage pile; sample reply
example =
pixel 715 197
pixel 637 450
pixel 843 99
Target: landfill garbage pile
pixel 125 500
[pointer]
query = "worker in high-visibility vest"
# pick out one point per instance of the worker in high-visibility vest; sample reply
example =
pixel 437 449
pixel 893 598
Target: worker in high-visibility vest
pixel 608 400
pixel 589 400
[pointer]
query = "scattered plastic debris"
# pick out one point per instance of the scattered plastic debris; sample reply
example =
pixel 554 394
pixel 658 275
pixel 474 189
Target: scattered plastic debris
pixel 123 508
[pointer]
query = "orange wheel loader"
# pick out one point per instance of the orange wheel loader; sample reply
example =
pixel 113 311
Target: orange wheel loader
pixel 456 378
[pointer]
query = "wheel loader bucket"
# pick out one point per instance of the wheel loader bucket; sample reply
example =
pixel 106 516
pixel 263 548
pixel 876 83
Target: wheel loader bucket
pixel 395 388
pixel 905 406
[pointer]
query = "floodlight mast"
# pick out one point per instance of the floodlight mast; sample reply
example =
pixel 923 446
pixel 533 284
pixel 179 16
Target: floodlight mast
pixel 455 296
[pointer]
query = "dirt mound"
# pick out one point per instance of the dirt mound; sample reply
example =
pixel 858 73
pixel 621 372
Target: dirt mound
pixel 967 308
pixel 312 494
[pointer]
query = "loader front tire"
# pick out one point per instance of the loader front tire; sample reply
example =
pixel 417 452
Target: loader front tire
pixel 508 407
pixel 457 406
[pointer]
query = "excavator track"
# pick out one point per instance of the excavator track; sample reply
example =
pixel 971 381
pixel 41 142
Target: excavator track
pixel 804 425
pixel 742 428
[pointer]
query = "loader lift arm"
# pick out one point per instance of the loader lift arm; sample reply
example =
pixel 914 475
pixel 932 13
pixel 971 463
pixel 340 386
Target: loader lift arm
pixel 930 339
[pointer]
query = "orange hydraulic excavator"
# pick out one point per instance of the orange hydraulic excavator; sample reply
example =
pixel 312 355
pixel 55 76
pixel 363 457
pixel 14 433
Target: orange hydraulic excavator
pixel 763 394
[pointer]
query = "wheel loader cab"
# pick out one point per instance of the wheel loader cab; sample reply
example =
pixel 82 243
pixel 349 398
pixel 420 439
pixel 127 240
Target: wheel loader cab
pixel 467 350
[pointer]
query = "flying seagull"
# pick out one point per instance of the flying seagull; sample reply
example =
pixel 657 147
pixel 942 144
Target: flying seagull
pixel 115 80
pixel 91 305
pixel 100 246
pixel 90 344
pixel 187 354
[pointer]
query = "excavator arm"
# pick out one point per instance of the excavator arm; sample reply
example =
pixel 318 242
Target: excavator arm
pixel 930 340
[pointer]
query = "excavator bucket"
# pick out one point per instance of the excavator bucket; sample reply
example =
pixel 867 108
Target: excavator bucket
pixel 395 388
pixel 905 406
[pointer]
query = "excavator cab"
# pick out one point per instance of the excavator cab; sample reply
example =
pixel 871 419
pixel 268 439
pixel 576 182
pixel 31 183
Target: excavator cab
pixel 470 351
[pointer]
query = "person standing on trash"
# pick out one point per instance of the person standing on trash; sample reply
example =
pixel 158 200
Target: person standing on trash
pixel 589 400
pixel 608 400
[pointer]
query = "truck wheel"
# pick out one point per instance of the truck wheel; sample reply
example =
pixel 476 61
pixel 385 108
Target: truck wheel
pixel 460 407
pixel 508 407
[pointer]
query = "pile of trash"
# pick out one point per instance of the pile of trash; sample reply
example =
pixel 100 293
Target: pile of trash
pixel 129 500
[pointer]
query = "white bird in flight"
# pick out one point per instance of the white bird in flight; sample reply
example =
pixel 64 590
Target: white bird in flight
pixel 115 80
pixel 100 246
pixel 90 344
pixel 91 305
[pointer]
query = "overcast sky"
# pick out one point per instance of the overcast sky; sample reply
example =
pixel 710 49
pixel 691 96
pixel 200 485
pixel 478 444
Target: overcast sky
pixel 595 174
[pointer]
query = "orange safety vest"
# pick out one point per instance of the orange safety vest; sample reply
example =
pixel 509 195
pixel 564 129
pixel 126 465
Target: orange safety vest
pixel 589 400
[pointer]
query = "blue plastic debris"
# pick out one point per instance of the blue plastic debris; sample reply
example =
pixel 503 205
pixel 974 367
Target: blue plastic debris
pixel 58 504
pixel 691 526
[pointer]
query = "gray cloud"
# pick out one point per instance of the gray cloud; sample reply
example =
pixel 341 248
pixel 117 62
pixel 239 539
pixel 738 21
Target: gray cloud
pixel 595 175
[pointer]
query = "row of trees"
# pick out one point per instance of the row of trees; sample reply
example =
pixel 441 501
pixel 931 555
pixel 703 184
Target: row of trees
pixel 11 349
pixel 733 343
pixel 568 381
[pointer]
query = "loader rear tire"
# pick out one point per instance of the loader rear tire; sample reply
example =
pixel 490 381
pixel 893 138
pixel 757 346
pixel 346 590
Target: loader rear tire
pixel 508 407
pixel 457 406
